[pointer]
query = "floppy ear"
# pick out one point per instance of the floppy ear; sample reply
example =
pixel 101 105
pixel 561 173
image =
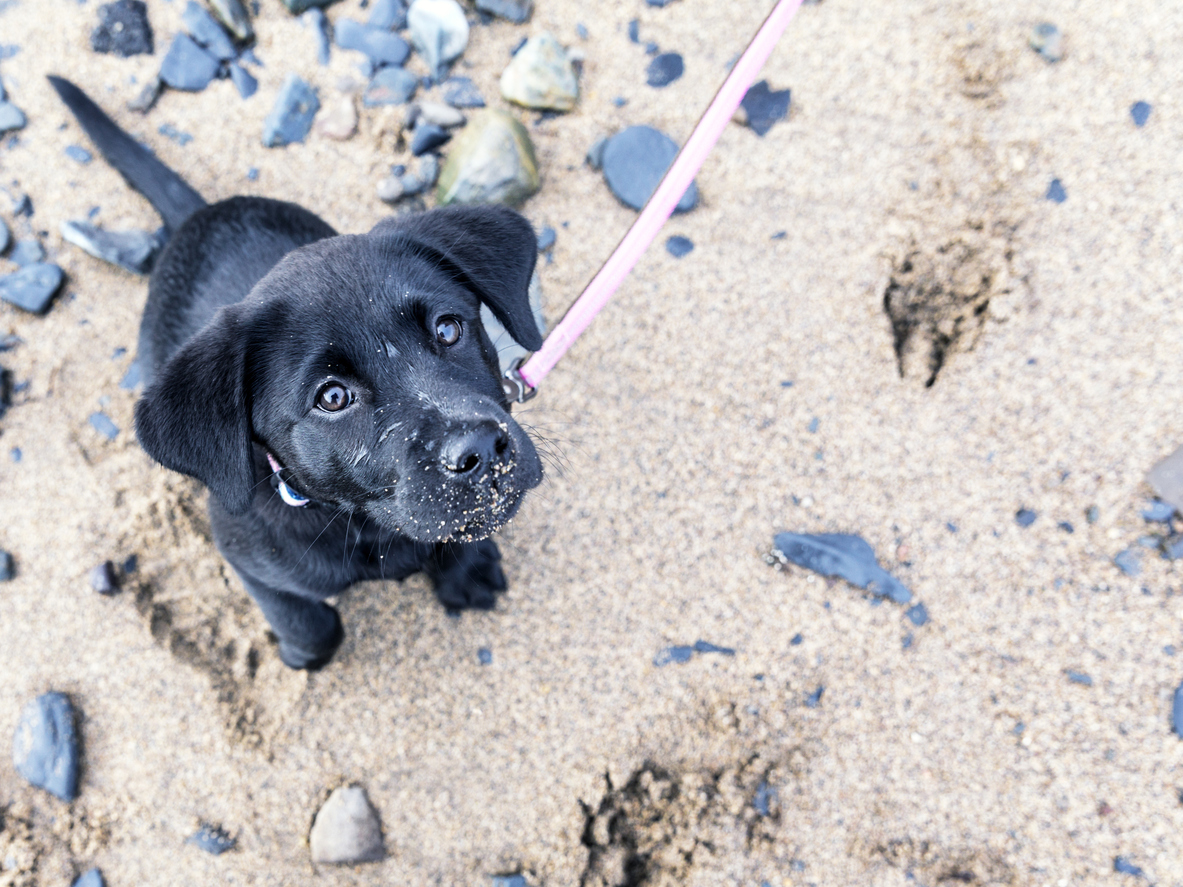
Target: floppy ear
pixel 491 250
pixel 195 418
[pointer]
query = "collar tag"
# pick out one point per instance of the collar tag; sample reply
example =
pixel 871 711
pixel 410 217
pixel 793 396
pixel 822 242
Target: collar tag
pixel 286 493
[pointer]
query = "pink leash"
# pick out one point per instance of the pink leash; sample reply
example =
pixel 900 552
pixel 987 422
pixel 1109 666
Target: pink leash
pixel 521 382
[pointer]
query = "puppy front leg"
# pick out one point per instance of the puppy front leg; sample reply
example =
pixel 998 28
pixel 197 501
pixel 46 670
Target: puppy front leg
pixel 466 575
pixel 309 632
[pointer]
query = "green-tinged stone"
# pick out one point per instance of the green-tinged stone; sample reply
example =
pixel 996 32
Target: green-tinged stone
pixel 233 14
pixel 491 161
pixel 541 76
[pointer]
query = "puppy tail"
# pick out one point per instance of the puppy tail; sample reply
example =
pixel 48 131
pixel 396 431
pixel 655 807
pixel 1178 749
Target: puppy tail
pixel 165 190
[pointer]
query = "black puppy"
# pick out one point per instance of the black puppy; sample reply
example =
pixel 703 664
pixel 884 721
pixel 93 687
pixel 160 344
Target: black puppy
pixel 337 394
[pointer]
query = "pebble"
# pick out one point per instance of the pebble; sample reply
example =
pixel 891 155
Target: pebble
pixel 206 30
pixel 1079 677
pixel 1056 192
pixel 1025 517
pixel 234 17
pixel 381 46
pixel 846 556
pixel 132 378
pixel 147 96
pixel 123 29
pixel 102 423
pixel 1177 712
pixel 707 647
pixel 213 839
pixel 634 162
pixel 244 81
pixel 187 66
pixel 678 246
pixel 5 237
pixel 664 69
pixel 484 656
pixel 22 206
pixel 78 154
pixel 92 878
pixel 679 654
pixel 1140 112
pixel 763 107
pixel 31 288
pixel 509 881
pixel 1166 478
pixel 814 699
pixel 516 11
pixel 439 31
pixel 428 137
pixel 388 14
pixel 104 579
pixel 1048 41
pixel 491 160
pixel 1123 866
pixel 346 829
pixel 298 6
pixel 461 92
pixel 595 154
pixel 546 238
pixel 11 117
pixel 390 189
pixel 27 252
pixel 339 120
pixel 390 86
pixel 765 798
pixel 1128 561
pixel 1066 527
pixel 438 113
pixel 45 747
pixel 134 250
pixel 291 117
pixel 173 134
pixel 541 76
pixel 917 614
pixel 7 567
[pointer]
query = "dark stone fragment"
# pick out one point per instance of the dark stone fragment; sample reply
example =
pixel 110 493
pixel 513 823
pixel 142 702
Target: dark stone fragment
pixel 15 454
pixel 123 29
pixel 31 288
pixel 516 11
pixel 1079 677
pixel 322 31
pixel 5 236
pixel 104 579
pixel 634 162
pixel 298 6
pixel 705 647
pixel 11 117
pixel 1066 527
pixel 814 425
pixel 581 30
pixel 102 423
pixel 796 640
pixel 1025 517
pixel 1173 548
pixel 907 641
pixel 484 656
pixel 546 238
pixel 1048 41
pixel 7 567
pixel 595 154
pixel 243 80
pixel 846 556
pixel 1092 514
pixel 652 48
pixel 380 46
pixel 187 66
pixel 664 69
pixel 206 30
pixel 252 174
pixel 391 15
pixel 130 565
pixel 518 46
pixel 678 246
pixel 1056 192
pixel 1177 712
pixel 79 154
pixel 134 250
pixel 428 137
pixel 1140 111
pixel 92 878
pixel 27 252
pixel 658 3
pixel 173 134
pixel 813 700
pixel 23 206
pixel 1128 562
pixel 679 654
pixel 212 839
pixel 634 31
pixel 461 92
pixel 45 747
pixel 764 106
pixel 917 614
pixel 147 96
pixel 764 800
pixel 291 117
pixel 1125 867
pixel 1158 511
pixel 509 881
pixel 390 86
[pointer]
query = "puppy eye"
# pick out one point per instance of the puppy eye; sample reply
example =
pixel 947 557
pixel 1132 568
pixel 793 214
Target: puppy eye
pixel 333 397
pixel 447 330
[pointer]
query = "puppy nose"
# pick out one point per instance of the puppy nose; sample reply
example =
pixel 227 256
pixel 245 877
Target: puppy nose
pixel 471 451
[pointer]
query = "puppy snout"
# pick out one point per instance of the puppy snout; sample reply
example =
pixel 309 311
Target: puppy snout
pixel 472 451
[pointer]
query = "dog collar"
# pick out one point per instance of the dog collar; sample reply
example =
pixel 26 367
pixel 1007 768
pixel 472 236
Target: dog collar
pixel 286 493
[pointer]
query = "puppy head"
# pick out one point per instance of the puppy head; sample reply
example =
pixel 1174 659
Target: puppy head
pixel 362 364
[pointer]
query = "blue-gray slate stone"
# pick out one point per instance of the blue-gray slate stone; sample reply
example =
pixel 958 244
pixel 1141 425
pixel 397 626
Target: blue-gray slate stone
pixel 45 748
pixel 1079 677
pixel 134 250
pixel 1048 41
pixel 31 288
pixel 390 86
pixel 1128 561
pixel 1025 517
pixel 7 567
pixel 1177 712
pixel 708 647
pixel 102 423
pixel 79 154
pixel 678 246
pixel 516 11
pixel 92 878
pixel 1056 192
pixel 1157 511
pixel 187 66
pixel 123 29
pixel 298 6
pixel 509 881
pixel 917 614
pixel 664 69
pixel 484 656
pixel 27 252
pixel 244 81
pixel 291 117
pixel 814 699
pixel 11 117
pixel 5 237
pixel 1140 112
pixel 461 92
pixel 634 162
pixel 381 46
pixel 846 556
pixel 390 15
pixel 679 653
pixel 204 28
pixel 428 137
pixel 1123 866
pixel 321 31
pixel 546 238
pixel 764 106
pixel 212 839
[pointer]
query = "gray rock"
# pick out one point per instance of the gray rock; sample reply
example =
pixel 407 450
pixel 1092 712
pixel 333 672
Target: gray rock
pixel 439 31
pixel 388 14
pixel 846 556
pixel 664 69
pixel 595 154
pixel 213 839
pixel 234 17
pixel 1025 517
pixel 346 829
pixel 291 117
pixel 917 614
pixel 391 189
pixel 390 86
pixel 1166 477
pixel 187 66
pixel 439 114
pixel 380 46
pixel 104 579
pixel 147 96
pixel 7 567
pixel 516 11
pixel 461 92
pixel 27 252
pixel 634 162
pixel 11 117
pixel 546 238
pixel 679 246
pixel 1177 712
pixel 123 29
pixel 763 107
pixel 298 6
pixel 31 288
pixel 102 423
pixel 204 28
pixel 428 137
pixel 541 76
pixel 491 161
pixel 1048 41
pixel 134 250
pixel 92 878
pixel 244 81
pixel 45 748
pixel 428 170
pixel 339 119
pixel 78 154
pixel 322 31
pixel 1129 561
pixel 5 237
pixel 1139 112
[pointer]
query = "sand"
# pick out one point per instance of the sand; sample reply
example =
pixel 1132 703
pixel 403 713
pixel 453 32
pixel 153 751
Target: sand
pixel 677 448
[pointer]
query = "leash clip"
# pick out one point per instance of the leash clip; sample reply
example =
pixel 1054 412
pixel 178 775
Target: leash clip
pixel 515 387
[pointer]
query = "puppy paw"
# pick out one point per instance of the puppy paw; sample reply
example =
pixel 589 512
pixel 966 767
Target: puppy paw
pixel 312 655
pixel 467 577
